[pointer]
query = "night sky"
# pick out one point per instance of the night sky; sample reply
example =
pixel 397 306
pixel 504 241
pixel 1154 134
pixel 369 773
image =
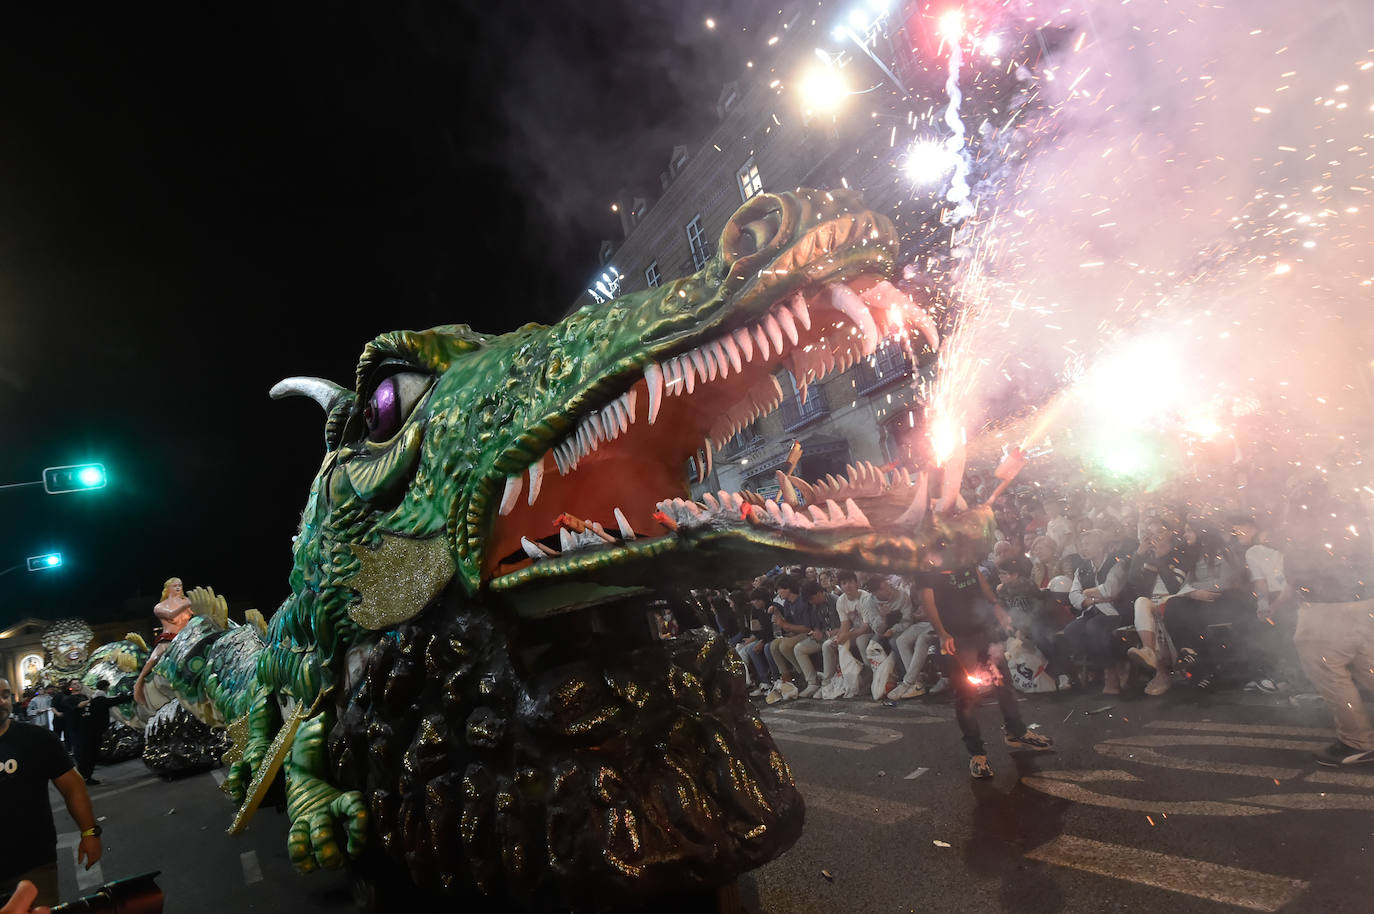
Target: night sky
pixel 197 203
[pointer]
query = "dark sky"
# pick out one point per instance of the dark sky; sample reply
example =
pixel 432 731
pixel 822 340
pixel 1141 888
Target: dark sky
pixel 196 203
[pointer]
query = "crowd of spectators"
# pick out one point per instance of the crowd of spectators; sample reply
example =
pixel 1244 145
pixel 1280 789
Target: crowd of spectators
pixel 1100 591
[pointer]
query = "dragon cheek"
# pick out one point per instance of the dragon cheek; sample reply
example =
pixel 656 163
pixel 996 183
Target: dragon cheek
pixel 380 476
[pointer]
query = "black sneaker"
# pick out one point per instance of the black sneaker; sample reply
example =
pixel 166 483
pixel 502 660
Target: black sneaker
pixel 1030 741
pixel 1339 755
pixel 1186 657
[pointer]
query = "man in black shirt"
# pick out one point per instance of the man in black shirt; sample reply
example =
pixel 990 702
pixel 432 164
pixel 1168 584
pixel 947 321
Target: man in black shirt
pixel 30 757
pixel 967 634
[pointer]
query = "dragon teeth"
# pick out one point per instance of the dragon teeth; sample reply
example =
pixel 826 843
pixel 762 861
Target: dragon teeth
pixel 535 550
pixel 851 306
pixel 745 343
pixel 626 531
pixel 853 515
pixel 536 479
pixel 565 540
pixel 783 316
pixel 653 378
pixel 799 310
pixel 511 495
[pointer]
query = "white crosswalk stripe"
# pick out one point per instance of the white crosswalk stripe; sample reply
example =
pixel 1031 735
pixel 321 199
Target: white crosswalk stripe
pixel 1198 878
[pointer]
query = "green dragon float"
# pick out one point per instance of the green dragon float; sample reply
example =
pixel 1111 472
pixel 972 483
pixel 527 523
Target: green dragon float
pixel 462 692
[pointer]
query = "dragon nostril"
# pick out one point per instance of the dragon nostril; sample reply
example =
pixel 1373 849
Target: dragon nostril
pixel 754 228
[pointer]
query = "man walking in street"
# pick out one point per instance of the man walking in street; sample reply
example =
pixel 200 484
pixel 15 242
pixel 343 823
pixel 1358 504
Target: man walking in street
pixel 1330 570
pixel 30 757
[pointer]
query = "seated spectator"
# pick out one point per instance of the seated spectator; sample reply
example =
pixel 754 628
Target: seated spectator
pixel 753 648
pixel 1275 620
pixel 1033 612
pixel 1217 591
pixel 859 620
pixel 825 625
pixel 1045 554
pixel 792 623
pixel 1098 582
pixel 1156 574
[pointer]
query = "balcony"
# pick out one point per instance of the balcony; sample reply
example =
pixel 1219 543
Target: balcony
pixel 796 414
pixel 746 441
pixel 887 365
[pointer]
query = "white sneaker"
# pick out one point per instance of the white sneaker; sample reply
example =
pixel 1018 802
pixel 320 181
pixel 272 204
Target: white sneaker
pixel 1064 683
pixel 897 692
pixel 774 697
pixel 757 691
pixel 1159 685
pixel 789 691
pixel 810 690
pixel 1144 657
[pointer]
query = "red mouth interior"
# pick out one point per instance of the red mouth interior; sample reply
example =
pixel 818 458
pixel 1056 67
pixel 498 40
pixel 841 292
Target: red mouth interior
pixel 648 463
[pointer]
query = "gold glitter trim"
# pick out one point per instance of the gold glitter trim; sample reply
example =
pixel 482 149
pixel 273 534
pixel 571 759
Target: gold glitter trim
pixel 398 578
pixel 267 772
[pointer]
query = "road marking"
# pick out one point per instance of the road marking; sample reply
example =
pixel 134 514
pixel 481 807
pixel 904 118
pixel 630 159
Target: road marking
pixel 252 870
pixel 1138 749
pixel 1344 778
pixel 1314 801
pixel 874 718
pixel 85 878
pixel 857 805
pixel 787 728
pixel 915 774
pixel 1062 785
pixel 1257 729
pixel 97 797
pixel 1212 881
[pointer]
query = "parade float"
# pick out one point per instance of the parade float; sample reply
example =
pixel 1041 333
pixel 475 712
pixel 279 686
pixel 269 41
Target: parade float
pixel 462 696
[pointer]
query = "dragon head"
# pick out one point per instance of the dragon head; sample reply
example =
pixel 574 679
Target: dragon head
pixel 551 465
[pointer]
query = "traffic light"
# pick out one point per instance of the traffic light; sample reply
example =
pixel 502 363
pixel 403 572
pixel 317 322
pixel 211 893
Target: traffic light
pixel 46 562
pixel 79 477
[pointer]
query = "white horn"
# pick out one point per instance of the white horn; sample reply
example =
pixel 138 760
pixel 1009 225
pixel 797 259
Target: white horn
pixel 326 393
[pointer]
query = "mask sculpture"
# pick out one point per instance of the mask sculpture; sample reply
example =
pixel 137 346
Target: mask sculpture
pixel 462 690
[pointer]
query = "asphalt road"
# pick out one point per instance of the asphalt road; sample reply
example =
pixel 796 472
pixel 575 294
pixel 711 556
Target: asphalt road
pixel 1182 804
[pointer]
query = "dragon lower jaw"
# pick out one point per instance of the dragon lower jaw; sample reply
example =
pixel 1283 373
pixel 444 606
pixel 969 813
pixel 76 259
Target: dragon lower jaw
pixel 618 482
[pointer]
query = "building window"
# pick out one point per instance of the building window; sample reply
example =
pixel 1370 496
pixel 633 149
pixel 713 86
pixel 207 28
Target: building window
pixel 750 181
pixel 697 243
pixel 651 277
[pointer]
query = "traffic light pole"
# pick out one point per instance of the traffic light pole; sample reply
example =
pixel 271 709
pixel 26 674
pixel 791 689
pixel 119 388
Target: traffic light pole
pixel 20 485
pixel 11 568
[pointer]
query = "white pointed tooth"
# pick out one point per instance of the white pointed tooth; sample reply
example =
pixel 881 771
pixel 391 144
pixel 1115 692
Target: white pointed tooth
pixel 697 466
pixel 774 331
pixel 672 377
pixel 761 337
pixel 920 501
pixel 736 500
pixel 710 501
pixel 727 343
pixel 512 494
pixel 851 471
pixel 851 306
pixel 794 518
pixel 559 461
pixel 777 389
pixel 653 377
pixel 536 479
pixel 727 503
pixel 835 511
pixel 789 327
pixel 601 533
pixel 692 508
pixel 706 447
pixel 565 539
pixel 715 361
pixel 715 351
pixel 906 477
pixel 535 550
pixel 626 531
pixel 620 415
pixel 689 373
pixel 745 343
pixel 818 516
pixel 773 511
pixel 786 489
pixel 631 403
pixel 854 515
pixel 800 311
pixel 698 361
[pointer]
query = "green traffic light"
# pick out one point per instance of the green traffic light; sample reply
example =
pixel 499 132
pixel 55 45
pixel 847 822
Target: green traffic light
pixel 80 477
pixel 45 562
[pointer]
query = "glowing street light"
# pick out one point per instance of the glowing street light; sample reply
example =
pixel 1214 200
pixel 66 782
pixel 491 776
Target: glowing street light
pixel 45 562
pixel 823 88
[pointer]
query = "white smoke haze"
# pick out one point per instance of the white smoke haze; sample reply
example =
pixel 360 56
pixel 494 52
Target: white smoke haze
pixel 1188 233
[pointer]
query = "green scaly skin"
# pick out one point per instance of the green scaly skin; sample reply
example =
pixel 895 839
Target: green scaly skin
pixel 425 499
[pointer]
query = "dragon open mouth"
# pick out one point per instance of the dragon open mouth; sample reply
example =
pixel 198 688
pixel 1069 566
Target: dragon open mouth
pixel 617 485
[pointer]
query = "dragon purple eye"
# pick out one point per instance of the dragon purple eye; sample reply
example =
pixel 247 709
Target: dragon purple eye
pixel 383 411
pixel 391 403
